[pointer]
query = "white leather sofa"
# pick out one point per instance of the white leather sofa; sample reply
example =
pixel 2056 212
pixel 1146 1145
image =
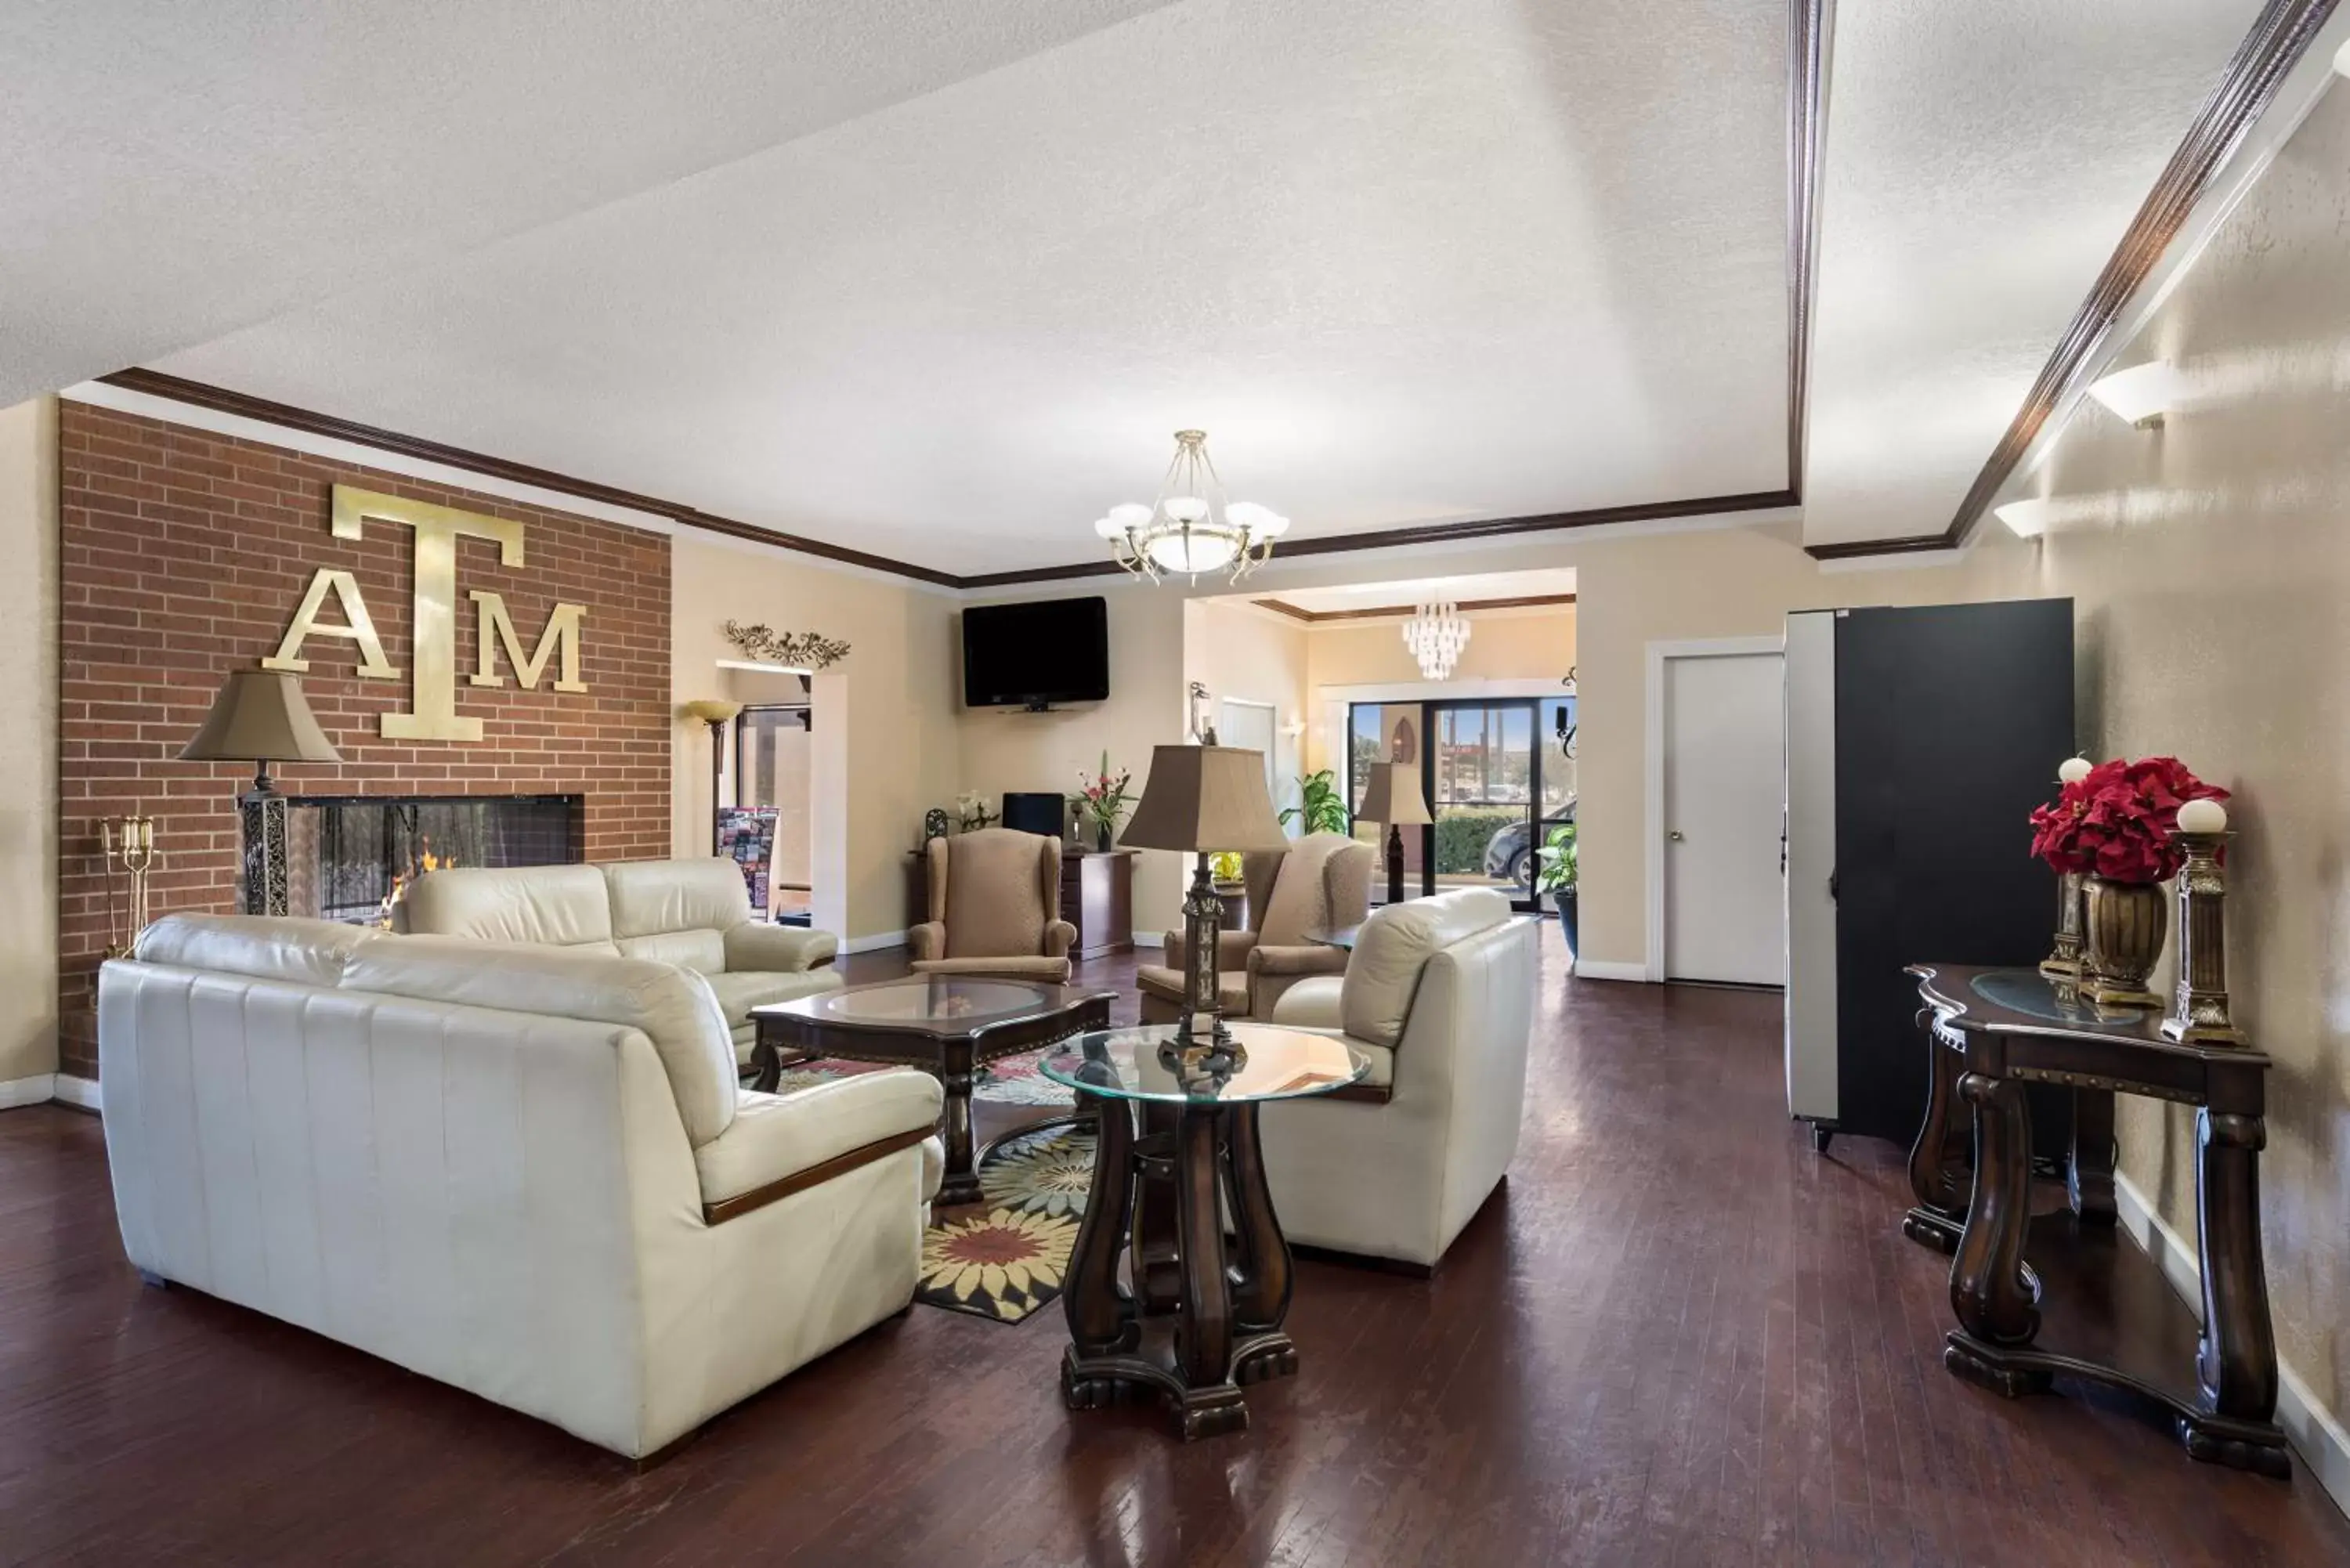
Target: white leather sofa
pixel 696 913
pixel 1439 994
pixel 528 1173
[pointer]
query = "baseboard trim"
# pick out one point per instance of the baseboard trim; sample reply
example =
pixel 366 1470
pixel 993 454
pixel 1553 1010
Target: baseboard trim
pixel 1609 968
pixel 2317 1437
pixel 81 1092
pixel 873 942
pixel 37 1090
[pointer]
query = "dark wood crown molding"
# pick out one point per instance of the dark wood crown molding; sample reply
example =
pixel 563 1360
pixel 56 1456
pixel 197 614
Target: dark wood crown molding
pixel 1806 98
pixel 2279 38
pixel 1382 612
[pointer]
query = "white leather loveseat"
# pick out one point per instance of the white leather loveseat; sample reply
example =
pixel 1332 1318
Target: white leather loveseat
pixel 696 913
pixel 525 1172
pixel 1439 994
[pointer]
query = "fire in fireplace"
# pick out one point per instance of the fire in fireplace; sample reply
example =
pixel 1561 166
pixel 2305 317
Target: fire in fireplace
pixel 351 857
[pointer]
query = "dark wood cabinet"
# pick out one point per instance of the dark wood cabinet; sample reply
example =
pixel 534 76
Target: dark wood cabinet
pixel 1097 897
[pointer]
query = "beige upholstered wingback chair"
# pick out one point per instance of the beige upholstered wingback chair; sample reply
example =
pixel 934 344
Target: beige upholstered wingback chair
pixel 1320 882
pixel 995 908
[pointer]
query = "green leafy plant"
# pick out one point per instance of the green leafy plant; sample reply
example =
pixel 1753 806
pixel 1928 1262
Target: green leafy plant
pixel 1103 800
pixel 1463 832
pixel 1320 806
pixel 1558 861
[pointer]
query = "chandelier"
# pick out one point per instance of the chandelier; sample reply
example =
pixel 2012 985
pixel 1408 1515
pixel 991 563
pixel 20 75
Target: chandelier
pixel 1435 634
pixel 1189 528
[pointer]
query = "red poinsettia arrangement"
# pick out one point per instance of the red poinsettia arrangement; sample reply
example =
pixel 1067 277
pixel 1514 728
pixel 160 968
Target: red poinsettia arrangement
pixel 2115 821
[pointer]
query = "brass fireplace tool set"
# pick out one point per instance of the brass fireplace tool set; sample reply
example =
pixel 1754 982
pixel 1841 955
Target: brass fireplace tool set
pixel 130 846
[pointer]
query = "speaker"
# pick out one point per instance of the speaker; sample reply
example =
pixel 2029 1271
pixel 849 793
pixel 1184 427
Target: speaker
pixel 1030 811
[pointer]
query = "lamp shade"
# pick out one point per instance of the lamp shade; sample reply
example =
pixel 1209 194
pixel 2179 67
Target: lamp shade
pixel 711 710
pixel 1392 795
pixel 1205 799
pixel 260 716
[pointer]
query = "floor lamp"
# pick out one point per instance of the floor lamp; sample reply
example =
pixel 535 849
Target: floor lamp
pixel 261 717
pixel 1392 796
pixel 1201 800
pixel 717 712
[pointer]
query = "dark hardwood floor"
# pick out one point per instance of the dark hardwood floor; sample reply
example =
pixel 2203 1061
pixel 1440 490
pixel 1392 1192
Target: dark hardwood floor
pixel 1675 1336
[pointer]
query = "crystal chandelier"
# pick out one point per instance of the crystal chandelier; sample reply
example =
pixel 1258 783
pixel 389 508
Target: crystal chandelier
pixel 1189 529
pixel 1435 634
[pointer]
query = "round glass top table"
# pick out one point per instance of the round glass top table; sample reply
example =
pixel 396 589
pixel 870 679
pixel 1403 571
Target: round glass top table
pixel 1157 1300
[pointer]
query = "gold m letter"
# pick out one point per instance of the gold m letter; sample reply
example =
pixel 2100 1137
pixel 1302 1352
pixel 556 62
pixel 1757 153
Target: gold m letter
pixel 495 627
pixel 357 625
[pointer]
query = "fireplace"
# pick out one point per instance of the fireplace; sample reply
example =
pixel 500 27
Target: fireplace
pixel 350 858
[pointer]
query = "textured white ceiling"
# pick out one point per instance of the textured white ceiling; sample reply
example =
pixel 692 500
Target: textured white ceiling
pixel 1404 260
pixel 176 169
pixel 1983 159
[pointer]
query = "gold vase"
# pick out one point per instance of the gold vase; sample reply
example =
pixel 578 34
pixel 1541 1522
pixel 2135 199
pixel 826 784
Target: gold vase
pixel 2123 925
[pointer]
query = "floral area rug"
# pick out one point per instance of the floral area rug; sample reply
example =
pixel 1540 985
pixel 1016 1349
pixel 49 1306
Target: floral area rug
pixel 1005 1263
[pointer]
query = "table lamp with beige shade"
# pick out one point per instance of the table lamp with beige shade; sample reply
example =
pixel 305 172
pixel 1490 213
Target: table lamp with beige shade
pixel 717 712
pixel 1201 800
pixel 1391 796
pixel 261 717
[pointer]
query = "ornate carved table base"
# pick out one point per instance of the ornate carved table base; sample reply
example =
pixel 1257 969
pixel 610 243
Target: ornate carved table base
pixel 1201 1320
pixel 2064 1294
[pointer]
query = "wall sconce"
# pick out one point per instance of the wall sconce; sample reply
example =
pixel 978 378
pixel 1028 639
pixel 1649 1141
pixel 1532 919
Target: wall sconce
pixel 2024 519
pixel 2141 394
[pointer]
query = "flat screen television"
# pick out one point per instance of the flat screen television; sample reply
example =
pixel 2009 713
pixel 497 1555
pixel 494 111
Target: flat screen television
pixel 1034 654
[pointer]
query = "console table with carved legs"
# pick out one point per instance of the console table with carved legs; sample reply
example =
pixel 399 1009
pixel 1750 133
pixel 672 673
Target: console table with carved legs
pixel 2064 1293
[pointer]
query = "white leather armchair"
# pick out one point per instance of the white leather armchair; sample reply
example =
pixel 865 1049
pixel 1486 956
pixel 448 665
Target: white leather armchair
pixel 1439 994
pixel 696 913
pixel 525 1172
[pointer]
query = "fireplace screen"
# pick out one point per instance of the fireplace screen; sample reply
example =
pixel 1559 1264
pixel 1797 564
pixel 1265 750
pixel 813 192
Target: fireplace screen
pixel 352 859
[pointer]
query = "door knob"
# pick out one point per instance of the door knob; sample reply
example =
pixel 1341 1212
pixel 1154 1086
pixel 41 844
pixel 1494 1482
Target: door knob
pixel 1675 836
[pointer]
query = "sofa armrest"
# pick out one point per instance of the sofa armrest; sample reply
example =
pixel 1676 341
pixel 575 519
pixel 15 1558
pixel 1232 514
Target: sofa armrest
pixel 1232 948
pixel 1059 938
pixel 1310 1003
pixel 1310 958
pixel 782 1144
pixel 927 941
pixel 758 945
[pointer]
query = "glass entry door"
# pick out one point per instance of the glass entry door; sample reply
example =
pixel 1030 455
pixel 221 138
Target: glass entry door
pixel 1495 776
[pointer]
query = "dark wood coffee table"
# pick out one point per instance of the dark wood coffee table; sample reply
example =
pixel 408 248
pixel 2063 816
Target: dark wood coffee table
pixel 947 1025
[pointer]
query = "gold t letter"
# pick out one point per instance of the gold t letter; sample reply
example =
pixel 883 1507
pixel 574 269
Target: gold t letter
pixel 434 690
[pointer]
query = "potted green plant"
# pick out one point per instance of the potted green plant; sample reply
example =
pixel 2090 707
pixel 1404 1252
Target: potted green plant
pixel 1320 808
pixel 1557 878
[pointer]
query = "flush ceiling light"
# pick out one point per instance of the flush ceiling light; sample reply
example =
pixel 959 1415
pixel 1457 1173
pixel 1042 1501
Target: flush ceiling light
pixel 1189 529
pixel 2025 519
pixel 2142 393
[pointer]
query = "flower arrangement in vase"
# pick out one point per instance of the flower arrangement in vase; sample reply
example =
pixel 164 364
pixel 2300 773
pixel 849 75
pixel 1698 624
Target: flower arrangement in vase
pixel 2115 826
pixel 1103 799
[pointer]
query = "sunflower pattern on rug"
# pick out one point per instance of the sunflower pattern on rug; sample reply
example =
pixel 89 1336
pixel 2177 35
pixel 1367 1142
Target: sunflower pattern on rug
pixel 1009 1261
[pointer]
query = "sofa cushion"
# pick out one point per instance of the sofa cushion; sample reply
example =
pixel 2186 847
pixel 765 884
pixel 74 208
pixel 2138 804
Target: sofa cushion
pixel 674 1007
pixel 651 897
pixel 271 947
pixel 702 950
pixel 1167 984
pixel 1396 943
pixel 547 906
pixel 1299 898
pixel 739 991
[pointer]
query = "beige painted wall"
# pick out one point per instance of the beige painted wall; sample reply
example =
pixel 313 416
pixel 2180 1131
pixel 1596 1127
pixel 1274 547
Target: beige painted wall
pixel 28 761
pixel 1005 749
pixel 887 725
pixel 1254 656
pixel 1504 645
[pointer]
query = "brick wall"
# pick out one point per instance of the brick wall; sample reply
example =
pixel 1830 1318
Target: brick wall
pixel 183 555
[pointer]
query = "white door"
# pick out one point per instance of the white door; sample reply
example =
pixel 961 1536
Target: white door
pixel 1724 908
pixel 1250 725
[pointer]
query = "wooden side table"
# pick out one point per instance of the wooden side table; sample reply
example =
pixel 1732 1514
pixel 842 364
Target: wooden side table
pixel 2062 1294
